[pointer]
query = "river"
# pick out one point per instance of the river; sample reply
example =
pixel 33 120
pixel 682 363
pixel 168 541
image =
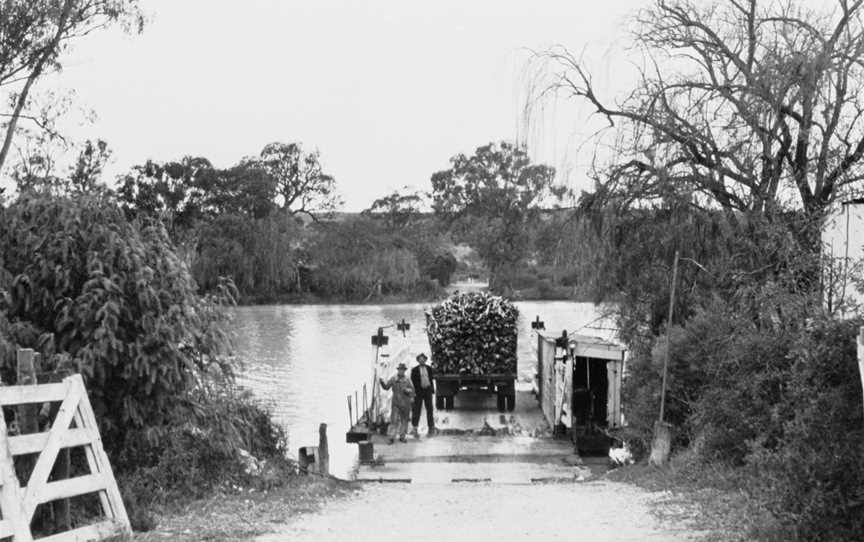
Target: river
pixel 302 361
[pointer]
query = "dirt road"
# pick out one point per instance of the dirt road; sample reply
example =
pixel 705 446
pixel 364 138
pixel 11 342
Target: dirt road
pixel 589 511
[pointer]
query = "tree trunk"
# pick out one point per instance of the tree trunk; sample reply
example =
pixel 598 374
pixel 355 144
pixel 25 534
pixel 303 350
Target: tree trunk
pixel 37 71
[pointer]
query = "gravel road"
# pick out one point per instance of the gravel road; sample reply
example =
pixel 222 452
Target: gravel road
pixel 592 511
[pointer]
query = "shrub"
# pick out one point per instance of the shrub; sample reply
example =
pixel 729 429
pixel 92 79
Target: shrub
pixel 814 477
pixel 112 300
pixel 205 447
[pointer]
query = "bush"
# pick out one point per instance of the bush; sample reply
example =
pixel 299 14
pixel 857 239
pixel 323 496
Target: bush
pixel 760 379
pixel 112 300
pixel 814 477
pixel 208 446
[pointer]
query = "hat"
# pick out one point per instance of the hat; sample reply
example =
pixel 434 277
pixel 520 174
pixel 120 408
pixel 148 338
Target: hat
pixel 421 355
pixel 401 366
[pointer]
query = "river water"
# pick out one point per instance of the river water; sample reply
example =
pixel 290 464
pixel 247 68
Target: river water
pixel 302 361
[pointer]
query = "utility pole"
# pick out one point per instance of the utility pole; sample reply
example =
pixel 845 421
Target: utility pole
pixel 662 444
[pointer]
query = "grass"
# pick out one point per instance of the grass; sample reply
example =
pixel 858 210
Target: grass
pixel 716 500
pixel 248 513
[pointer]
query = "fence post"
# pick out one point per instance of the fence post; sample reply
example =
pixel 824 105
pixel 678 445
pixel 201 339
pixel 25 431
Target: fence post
pixel 29 368
pixel 323 451
pixel 27 418
pixel 27 415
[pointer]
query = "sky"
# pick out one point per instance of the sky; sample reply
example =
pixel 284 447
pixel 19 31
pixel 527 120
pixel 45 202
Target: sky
pixel 386 91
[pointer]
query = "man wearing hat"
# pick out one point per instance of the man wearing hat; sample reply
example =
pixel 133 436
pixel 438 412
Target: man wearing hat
pixel 400 409
pixel 424 386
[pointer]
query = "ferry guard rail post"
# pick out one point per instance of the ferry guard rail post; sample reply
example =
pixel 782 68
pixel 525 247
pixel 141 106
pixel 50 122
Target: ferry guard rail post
pixel 363 423
pixel 536 327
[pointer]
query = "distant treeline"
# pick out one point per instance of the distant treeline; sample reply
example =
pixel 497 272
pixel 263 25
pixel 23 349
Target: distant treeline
pixel 269 224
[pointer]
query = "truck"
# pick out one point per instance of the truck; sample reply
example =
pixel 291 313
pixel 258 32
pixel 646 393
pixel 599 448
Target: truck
pixel 473 343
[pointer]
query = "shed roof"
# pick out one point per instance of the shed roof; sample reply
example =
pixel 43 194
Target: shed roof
pixel 591 347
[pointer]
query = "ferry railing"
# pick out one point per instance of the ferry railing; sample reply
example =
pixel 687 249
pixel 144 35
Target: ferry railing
pixel 364 422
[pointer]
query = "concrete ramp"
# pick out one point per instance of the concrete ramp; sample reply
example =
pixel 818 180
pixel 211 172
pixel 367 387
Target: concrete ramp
pixel 476 443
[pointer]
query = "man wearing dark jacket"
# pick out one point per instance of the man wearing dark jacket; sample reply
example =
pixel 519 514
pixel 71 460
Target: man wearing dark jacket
pixel 424 386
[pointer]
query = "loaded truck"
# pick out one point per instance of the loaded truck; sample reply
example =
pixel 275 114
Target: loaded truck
pixel 472 338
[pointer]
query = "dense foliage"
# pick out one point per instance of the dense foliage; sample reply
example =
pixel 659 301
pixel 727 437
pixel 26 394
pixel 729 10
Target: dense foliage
pixel 760 377
pixel 251 223
pixel 111 299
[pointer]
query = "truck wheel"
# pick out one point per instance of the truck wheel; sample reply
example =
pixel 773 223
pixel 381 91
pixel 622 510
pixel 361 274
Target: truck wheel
pixel 511 402
pixel 439 402
pixel 502 403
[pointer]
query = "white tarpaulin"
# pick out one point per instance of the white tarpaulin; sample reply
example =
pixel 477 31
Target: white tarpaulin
pixel 563 390
pixel 546 377
pixel 384 367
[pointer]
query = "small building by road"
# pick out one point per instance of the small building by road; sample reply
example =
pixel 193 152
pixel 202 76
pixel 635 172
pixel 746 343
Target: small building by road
pixel 579 385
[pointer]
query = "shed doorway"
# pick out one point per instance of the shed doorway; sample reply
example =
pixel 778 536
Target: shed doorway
pixel 590 392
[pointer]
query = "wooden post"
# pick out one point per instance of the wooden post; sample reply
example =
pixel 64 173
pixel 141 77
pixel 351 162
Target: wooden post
pixel 29 368
pixel 668 338
pixel 27 417
pixel 662 444
pixel 323 451
pixel 861 355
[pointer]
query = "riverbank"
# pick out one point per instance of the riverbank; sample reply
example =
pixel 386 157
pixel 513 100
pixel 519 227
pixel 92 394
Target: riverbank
pixel 313 299
pixel 307 298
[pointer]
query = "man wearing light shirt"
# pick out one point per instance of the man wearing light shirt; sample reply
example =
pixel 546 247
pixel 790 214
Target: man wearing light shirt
pixel 422 377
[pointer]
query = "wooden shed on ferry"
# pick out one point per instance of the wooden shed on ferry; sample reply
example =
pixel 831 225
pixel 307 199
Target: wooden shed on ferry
pixel 579 387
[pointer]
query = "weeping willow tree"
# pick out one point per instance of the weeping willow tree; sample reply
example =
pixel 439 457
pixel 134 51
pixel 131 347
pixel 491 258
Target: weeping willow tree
pixel 260 255
pixel 625 257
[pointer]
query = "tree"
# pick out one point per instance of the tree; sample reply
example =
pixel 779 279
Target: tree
pixel 741 101
pixel 302 187
pixel 86 172
pixel 490 197
pixel 398 210
pixel 36 171
pixel 259 255
pixel 178 193
pixel 40 147
pixel 112 300
pixel 35 33
pixel 244 189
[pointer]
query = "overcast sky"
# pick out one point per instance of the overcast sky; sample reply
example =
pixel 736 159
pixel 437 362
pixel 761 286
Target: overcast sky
pixel 387 91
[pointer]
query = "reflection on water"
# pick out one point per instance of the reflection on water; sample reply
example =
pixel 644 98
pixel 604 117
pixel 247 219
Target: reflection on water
pixel 304 360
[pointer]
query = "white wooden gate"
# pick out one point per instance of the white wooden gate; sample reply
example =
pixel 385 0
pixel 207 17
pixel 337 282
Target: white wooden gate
pixel 18 503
